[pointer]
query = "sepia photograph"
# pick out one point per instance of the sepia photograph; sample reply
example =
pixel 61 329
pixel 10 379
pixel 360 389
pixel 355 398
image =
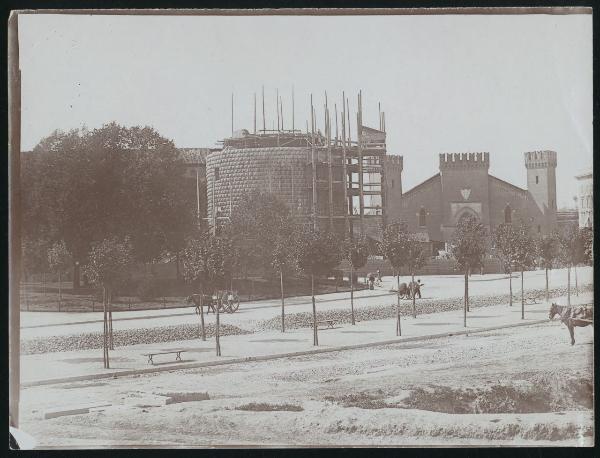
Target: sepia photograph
pixel 301 228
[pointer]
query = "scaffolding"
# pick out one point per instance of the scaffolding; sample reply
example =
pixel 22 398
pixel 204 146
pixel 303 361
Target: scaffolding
pixel 344 181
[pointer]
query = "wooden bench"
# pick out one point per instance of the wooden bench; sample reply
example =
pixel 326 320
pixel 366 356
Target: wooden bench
pixel 328 323
pixel 151 355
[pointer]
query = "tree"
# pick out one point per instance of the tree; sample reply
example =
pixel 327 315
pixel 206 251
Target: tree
pixel 415 259
pixel 356 252
pixel 587 235
pixel 582 250
pixel 284 258
pixel 548 252
pixel 256 222
pixel 525 255
pixel 504 249
pixel 569 239
pixel 84 186
pixel 108 266
pixel 468 246
pixel 219 265
pixel 403 248
pixel 194 270
pixel 59 260
pixel 394 246
pixel 318 254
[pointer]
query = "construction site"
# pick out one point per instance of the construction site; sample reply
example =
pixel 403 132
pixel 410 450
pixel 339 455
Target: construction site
pixel 335 175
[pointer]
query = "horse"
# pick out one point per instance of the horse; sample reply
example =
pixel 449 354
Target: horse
pixel 414 289
pixel 404 291
pixel 201 299
pixel 571 316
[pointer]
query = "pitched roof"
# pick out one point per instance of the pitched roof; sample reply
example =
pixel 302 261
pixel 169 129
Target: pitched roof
pixel 422 184
pixel 506 183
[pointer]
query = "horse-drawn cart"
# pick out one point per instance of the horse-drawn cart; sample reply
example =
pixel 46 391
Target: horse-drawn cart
pixel 224 301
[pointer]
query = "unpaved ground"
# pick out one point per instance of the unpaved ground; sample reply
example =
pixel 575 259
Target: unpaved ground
pixel 518 386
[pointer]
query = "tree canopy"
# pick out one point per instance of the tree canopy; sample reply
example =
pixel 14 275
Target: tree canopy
pixel 84 186
pixel 469 243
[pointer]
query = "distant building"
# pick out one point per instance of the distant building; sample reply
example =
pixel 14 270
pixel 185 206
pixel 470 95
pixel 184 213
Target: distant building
pixel 463 187
pixel 567 217
pixel 585 198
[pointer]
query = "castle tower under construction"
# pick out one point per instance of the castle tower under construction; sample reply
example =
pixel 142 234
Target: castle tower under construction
pixel 338 179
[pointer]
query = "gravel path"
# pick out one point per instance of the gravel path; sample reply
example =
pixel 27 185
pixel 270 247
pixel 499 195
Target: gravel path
pixel 501 387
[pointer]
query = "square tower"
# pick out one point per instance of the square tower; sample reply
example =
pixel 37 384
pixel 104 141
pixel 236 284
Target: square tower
pixel 541 186
pixel 465 189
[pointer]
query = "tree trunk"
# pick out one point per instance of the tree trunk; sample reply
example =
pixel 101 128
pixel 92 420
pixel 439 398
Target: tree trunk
pixel 398 326
pixel 576 285
pixel 105 321
pixel 282 302
pixel 547 290
pixel 414 295
pixel 312 291
pixel 177 272
pixel 202 328
pixel 217 340
pixel 510 285
pixel 76 276
pixel 466 297
pixel 467 289
pixel 110 323
pixel 522 297
pixel 569 285
pixel 59 292
pixel 352 294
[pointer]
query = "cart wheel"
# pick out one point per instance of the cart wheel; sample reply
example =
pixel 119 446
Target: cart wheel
pixel 235 303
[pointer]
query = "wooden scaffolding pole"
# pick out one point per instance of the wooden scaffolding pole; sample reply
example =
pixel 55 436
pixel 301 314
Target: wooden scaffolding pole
pixel 360 162
pixel 314 165
pixel 347 205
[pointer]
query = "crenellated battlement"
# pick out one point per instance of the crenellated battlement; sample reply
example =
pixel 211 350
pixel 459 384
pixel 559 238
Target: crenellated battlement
pixel 395 161
pixel 464 160
pixel 540 159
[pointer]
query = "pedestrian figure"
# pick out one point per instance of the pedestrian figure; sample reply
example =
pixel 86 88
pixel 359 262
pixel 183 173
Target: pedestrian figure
pixel 418 288
pixel 371 281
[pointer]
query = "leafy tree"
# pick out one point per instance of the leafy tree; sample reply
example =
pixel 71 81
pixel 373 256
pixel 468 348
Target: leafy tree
pixel 219 264
pixel 504 249
pixel 194 269
pixel 525 255
pixel 402 248
pixel 34 255
pixel 108 266
pixel 59 260
pixel 587 235
pixel 468 246
pixel 318 254
pixel 284 258
pixel 415 259
pixel 569 243
pixel 356 252
pixel 548 252
pixel 85 186
pixel 255 224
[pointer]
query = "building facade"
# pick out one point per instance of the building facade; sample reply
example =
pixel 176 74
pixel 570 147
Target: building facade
pixel 463 186
pixel 585 198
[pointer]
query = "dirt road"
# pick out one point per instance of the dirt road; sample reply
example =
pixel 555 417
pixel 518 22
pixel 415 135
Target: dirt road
pixel 518 386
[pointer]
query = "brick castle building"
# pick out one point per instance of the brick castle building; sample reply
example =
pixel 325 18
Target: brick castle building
pixel 463 186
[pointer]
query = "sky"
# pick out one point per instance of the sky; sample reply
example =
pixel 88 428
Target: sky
pixel 505 84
